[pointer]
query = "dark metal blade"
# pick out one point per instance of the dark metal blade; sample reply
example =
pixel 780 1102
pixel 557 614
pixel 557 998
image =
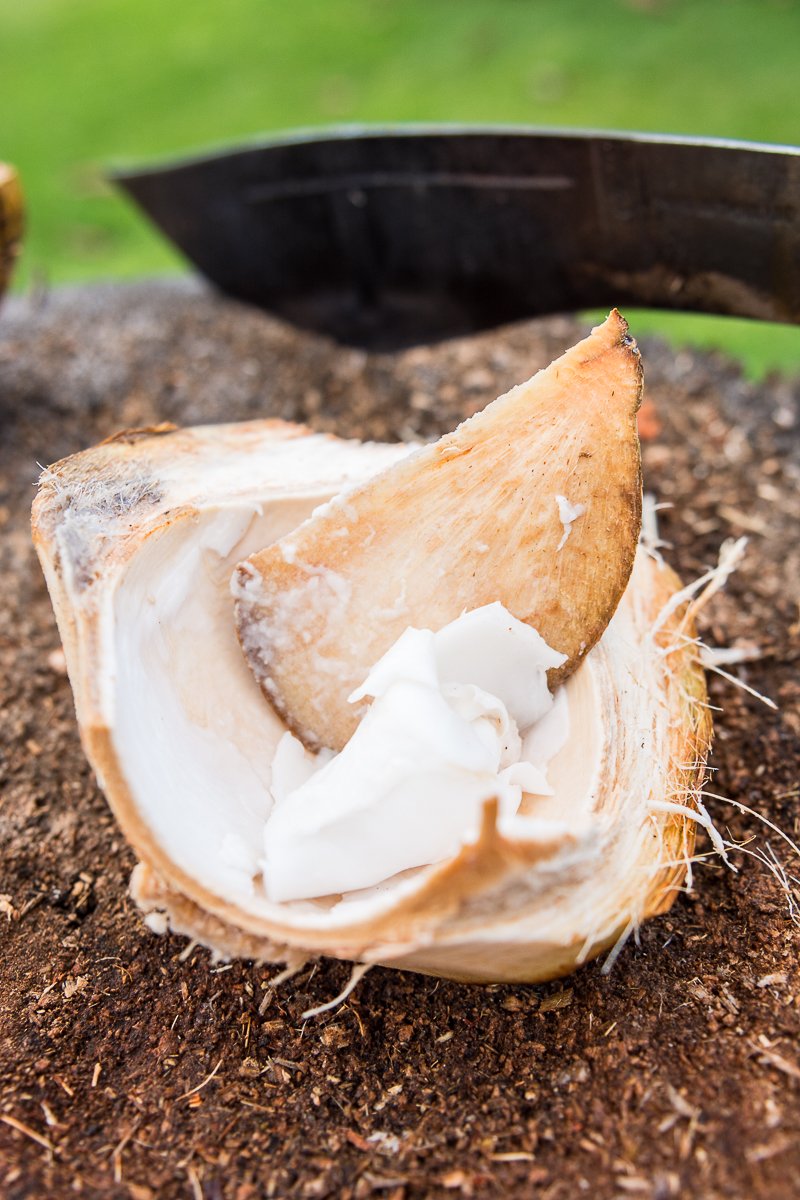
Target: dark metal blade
pixel 387 237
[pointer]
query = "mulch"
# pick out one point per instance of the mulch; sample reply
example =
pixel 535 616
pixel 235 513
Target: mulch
pixel 133 1066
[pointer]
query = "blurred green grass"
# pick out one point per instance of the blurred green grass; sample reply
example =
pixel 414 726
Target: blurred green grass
pixel 86 82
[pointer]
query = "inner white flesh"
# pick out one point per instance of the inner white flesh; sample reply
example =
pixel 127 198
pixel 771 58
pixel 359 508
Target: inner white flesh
pixel 197 743
pixel 458 717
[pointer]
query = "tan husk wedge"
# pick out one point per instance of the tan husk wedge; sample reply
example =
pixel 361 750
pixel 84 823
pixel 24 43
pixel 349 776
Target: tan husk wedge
pixel 481 515
pixel 138 539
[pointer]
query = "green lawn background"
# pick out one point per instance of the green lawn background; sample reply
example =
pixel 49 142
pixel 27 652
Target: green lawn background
pixel 88 82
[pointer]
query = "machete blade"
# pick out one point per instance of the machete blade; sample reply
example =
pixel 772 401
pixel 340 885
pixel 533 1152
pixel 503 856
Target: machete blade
pixel 384 238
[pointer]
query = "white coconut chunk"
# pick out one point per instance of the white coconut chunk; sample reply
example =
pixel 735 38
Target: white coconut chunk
pixel 529 778
pixel 549 735
pixel 490 648
pixel 411 657
pixel 409 787
pixel 406 790
pixel 489 717
pixel 292 766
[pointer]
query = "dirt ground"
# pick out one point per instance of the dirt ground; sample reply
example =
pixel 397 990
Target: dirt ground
pixel 131 1066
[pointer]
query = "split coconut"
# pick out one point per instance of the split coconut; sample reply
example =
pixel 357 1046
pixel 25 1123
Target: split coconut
pixel 450 720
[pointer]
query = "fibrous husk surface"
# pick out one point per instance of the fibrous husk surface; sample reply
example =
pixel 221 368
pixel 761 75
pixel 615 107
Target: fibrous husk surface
pixel 672 1076
pixel 470 520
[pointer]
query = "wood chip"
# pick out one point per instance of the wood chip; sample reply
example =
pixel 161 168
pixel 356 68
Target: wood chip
pixel 557 1001
pixel 773 1059
pixel 775 980
pixel 22 1128
pixel 193 1091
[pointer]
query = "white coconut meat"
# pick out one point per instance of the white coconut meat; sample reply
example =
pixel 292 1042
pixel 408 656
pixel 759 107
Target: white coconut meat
pixel 441 739
pixel 138 539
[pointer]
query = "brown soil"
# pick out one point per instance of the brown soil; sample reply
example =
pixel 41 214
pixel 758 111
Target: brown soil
pixel 132 1066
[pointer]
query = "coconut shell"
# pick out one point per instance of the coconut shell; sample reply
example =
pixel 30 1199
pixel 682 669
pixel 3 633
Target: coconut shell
pixel 138 538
